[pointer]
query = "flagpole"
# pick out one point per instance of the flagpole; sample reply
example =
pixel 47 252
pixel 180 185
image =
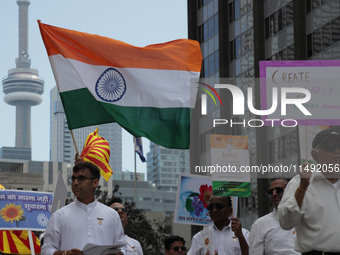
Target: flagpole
pixel 74 141
pixel 134 152
pixel 30 239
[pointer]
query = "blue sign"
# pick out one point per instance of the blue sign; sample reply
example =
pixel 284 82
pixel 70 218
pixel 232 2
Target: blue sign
pixel 193 194
pixel 24 210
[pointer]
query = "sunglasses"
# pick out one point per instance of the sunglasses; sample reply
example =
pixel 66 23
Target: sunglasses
pixel 278 190
pixel 176 248
pixel 123 209
pixel 218 206
pixel 330 147
pixel 80 178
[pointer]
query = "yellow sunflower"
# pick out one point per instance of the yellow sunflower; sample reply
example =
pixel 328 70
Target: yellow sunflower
pixel 11 213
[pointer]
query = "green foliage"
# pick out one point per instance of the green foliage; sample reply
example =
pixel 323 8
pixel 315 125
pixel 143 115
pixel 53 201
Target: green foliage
pixel 149 234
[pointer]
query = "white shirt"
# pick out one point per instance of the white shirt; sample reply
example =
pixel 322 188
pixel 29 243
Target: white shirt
pixel 76 224
pixel 133 246
pixel 317 223
pixel 267 237
pixel 223 241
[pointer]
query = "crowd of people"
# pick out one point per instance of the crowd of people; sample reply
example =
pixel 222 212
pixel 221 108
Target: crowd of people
pixel 305 218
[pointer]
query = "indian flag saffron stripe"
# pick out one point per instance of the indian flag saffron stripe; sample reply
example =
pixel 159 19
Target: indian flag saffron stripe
pixel 98 50
pixel 150 91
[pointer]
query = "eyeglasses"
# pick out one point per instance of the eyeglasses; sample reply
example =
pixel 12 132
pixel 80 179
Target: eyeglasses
pixel 80 178
pixel 218 206
pixel 278 190
pixel 330 147
pixel 121 208
pixel 176 248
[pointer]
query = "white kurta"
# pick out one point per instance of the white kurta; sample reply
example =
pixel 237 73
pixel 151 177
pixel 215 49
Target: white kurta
pixel 223 240
pixel 317 223
pixel 76 224
pixel 133 247
pixel 268 238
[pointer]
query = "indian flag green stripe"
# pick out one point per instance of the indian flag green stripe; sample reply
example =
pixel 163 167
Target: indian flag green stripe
pixel 168 127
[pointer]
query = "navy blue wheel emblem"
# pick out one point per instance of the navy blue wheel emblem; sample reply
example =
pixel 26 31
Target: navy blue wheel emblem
pixel 111 85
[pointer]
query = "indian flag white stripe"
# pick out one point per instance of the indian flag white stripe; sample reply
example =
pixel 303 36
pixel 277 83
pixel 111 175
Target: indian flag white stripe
pixel 161 89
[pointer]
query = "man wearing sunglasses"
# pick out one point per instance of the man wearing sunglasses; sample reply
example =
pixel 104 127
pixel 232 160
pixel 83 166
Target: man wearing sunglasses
pixel 133 247
pixel 311 199
pixel 227 234
pixel 83 221
pixel 174 245
pixel 266 235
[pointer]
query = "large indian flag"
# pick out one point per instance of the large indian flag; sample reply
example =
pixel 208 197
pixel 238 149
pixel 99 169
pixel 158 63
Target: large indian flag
pixel 149 91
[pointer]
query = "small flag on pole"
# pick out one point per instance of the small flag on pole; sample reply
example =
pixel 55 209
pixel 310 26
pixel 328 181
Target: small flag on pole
pixel 97 151
pixel 139 147
pixel 2 187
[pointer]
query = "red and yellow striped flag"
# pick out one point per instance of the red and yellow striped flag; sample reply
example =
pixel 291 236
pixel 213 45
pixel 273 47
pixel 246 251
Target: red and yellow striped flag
pixel 17 242
pixel 97 151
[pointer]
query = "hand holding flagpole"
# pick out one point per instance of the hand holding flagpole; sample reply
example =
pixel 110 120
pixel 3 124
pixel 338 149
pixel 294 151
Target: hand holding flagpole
pixel 233 216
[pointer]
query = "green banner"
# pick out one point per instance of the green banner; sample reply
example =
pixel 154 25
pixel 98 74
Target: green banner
pixel 235 189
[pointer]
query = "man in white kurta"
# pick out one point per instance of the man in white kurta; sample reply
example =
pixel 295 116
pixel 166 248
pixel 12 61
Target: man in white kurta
pixel 266 235
pixel 83 221
pixel 224 241
pixel 132 247
pixel 226 236
pixel 311 200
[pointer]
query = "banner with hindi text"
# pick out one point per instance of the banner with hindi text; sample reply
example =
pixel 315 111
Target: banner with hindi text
pixel 24 210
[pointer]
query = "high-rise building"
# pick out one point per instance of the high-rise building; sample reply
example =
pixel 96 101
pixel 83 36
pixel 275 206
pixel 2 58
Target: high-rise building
pixel 235 35
pixel 23 87
pixel 164 165
pixel 62 148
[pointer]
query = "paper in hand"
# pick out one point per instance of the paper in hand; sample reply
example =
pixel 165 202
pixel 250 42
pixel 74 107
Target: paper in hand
pixel 95 249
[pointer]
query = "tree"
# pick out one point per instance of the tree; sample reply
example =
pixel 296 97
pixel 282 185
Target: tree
pixel 149 234
pixel 140 228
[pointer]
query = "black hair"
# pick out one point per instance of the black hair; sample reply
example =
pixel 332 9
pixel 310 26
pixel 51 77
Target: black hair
pixel 94 170
pixel 170 240
pixel 114 200
pixel 279 178
pixel 226 200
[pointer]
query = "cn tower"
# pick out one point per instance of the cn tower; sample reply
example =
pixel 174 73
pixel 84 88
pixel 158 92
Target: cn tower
pixel 23 87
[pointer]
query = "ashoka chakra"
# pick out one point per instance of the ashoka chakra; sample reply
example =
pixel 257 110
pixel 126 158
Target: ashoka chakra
pixel 111 85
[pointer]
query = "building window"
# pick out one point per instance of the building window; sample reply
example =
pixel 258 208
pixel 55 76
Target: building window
pixel 313 4
pixel 211 64
pixel 285 54
pixel 210 28
pixel 323 37
pixel 231 12
pixel 277 21
pixel 335 24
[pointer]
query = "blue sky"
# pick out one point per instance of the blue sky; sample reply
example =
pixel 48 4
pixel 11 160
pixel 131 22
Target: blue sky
pixel 136 22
